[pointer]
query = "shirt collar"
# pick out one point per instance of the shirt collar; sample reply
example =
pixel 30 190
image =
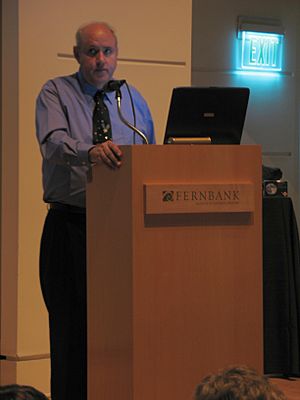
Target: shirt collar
pixel 91 90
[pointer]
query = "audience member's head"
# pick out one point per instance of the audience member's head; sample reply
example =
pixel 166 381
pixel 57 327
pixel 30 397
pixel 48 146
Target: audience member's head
pixel 20 392
pixel 237 383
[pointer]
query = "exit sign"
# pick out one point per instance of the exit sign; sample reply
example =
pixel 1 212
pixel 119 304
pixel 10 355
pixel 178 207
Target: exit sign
pixel 261 51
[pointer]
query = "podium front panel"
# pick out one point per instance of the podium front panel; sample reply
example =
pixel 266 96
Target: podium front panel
pixel 172 296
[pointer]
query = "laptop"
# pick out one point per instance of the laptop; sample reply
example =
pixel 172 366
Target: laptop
pixel 213 115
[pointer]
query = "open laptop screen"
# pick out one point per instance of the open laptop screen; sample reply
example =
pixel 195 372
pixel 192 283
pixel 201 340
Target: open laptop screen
pixel 216 113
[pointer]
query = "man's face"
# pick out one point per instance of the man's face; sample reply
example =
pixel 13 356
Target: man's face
pixel 97 54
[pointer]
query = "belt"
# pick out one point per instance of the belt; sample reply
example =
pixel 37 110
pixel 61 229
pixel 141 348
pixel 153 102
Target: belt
pixel 67 208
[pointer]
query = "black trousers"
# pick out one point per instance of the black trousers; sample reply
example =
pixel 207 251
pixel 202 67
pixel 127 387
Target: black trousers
pixel 63 282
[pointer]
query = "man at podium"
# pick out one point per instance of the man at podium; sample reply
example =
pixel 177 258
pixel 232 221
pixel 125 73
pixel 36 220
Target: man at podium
pixel 78 125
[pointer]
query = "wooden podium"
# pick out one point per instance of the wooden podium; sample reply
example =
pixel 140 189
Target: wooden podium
pixel 174 269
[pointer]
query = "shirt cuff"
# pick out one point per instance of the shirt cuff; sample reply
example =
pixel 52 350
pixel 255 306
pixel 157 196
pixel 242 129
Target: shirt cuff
pixel 83 153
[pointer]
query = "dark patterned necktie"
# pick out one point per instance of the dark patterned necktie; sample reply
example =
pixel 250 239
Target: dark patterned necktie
pixel 101 120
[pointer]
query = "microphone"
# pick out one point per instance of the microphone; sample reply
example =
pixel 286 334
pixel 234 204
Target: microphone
pixel 113 85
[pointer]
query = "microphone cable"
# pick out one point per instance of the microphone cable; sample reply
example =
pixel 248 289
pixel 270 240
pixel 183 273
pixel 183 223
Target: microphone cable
pixel 132 108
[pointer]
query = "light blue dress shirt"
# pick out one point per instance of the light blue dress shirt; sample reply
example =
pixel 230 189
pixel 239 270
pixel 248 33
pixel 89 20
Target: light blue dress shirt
pixel 64 125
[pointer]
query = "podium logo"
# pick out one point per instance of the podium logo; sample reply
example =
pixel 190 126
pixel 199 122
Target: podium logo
pixel 201 196
pixel 171 198
pixel 168 195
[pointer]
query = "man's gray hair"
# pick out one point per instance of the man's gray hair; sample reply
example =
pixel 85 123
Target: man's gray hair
pixel 78 35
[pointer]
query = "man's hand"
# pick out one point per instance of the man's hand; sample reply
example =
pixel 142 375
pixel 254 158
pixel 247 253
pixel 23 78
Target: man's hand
pixel 107 153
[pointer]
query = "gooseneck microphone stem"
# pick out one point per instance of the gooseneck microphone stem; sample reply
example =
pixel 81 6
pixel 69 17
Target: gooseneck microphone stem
pixel 118 98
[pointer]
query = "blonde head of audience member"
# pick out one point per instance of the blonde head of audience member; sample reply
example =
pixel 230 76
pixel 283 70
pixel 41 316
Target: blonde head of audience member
pixel 237 383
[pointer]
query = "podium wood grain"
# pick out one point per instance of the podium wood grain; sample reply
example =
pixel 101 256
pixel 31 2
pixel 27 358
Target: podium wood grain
pixel 171 298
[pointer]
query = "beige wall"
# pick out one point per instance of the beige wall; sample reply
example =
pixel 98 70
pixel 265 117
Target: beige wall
pixel 273 115
pixel 155 55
